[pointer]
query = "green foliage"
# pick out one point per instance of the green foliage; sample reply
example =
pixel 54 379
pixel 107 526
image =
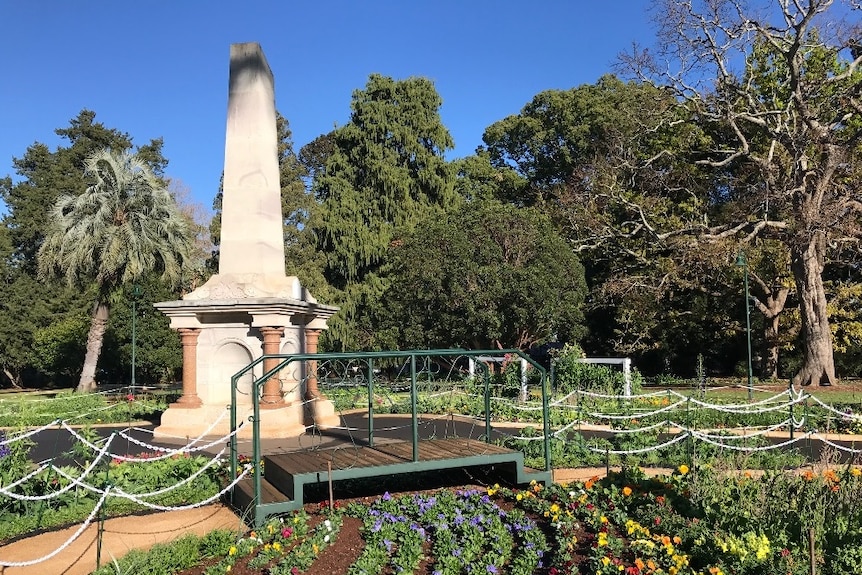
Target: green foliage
pixel 385 171
pixel 571 374
pixel 59 348
pixel 122 227
pixel 78 409
pixel 18 517
pixel 31 307
pixel 187 551
pixel 485 275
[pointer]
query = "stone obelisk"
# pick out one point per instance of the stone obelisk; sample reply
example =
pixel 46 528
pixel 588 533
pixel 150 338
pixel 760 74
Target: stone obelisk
pixel 251 307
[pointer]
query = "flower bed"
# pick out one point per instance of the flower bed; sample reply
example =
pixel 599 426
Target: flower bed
pixel 702 521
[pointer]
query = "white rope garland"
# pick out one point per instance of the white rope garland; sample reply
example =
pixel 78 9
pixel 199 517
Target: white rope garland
pixel 764 401
pixel 670 407
pixel 166 452
pixel 68 542
pixel 55 494
pixel 746 435
pixel 27 477
pixel 676 439
pixel 705 439
pixel 828 407
pixel 77 481
pixel 588 393
pixel 30 433
pixel 835 445
pixel 207 501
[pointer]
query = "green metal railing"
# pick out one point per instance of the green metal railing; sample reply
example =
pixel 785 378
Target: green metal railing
pixel 369 358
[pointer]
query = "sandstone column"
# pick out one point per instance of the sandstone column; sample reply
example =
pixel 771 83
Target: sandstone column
pixel 272 395
pixel 190 397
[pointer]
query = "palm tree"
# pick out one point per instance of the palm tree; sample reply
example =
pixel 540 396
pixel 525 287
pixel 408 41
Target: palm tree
pixel 123 226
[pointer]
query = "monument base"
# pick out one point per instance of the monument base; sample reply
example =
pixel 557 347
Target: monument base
pixel 211 421
pixel 320 412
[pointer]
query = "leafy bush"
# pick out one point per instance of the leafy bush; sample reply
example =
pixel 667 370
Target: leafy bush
pixel 162 558
pixel 571 374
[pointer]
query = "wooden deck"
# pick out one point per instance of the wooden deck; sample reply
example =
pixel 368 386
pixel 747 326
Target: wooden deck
pixel 285 475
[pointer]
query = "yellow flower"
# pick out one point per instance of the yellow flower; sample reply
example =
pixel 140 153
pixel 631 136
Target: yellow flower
pixel 227 569
pixel 315 548
pixel 232 550
pixel 606 561
pixel 683 469
pixel 555 508
pixel 627 490
pixel 856 472
pixel 603 519
pixel 519 496
pixel 276 546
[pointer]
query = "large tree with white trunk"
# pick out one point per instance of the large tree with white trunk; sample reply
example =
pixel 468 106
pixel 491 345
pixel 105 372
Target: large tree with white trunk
pixel 779 84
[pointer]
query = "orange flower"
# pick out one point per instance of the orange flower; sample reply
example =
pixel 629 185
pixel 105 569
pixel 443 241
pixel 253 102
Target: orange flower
pixel 808 476
pixel 627 490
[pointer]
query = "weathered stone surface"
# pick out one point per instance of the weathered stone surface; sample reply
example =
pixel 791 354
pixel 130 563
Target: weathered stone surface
pixel 252 226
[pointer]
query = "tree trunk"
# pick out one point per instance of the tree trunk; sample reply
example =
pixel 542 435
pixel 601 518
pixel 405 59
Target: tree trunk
pixel 770 347
pixel 95 337
pixel 14 378
pixel 807 264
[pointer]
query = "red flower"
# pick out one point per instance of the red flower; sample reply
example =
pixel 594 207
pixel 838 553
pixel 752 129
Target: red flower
pixel 657 520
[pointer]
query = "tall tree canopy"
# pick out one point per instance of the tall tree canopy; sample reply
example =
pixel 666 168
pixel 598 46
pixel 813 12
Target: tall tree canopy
pixel 30 306
pixel 125 225
pixel 600 158
pixel 780 86
pixel 486 275
pixel 385 170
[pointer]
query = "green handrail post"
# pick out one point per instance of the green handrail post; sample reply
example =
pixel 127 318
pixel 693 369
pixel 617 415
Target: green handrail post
pixel 690 437
pixel 413 407
pixel 487 405
pixel 234 455
pixel 255 444
pixel 790 425
pixel 546 416
pixel 370 402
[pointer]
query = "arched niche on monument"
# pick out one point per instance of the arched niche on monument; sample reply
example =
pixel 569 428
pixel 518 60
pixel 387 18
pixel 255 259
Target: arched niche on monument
pixel 292 374
pixel 231 357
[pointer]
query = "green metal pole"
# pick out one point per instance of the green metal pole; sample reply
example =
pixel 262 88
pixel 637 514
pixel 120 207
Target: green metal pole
pixel 413 408
pixel 370 402
pixel 233 444
pixel 255 446
pixel 790 388
pixel 748 331
pixel 487 405
pixel 136 293
pixel 546 416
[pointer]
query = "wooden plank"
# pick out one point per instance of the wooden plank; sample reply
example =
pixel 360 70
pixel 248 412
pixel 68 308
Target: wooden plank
pixel 382 455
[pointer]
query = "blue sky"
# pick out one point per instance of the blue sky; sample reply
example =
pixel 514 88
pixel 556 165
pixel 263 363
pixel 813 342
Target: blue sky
pixel 159 68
